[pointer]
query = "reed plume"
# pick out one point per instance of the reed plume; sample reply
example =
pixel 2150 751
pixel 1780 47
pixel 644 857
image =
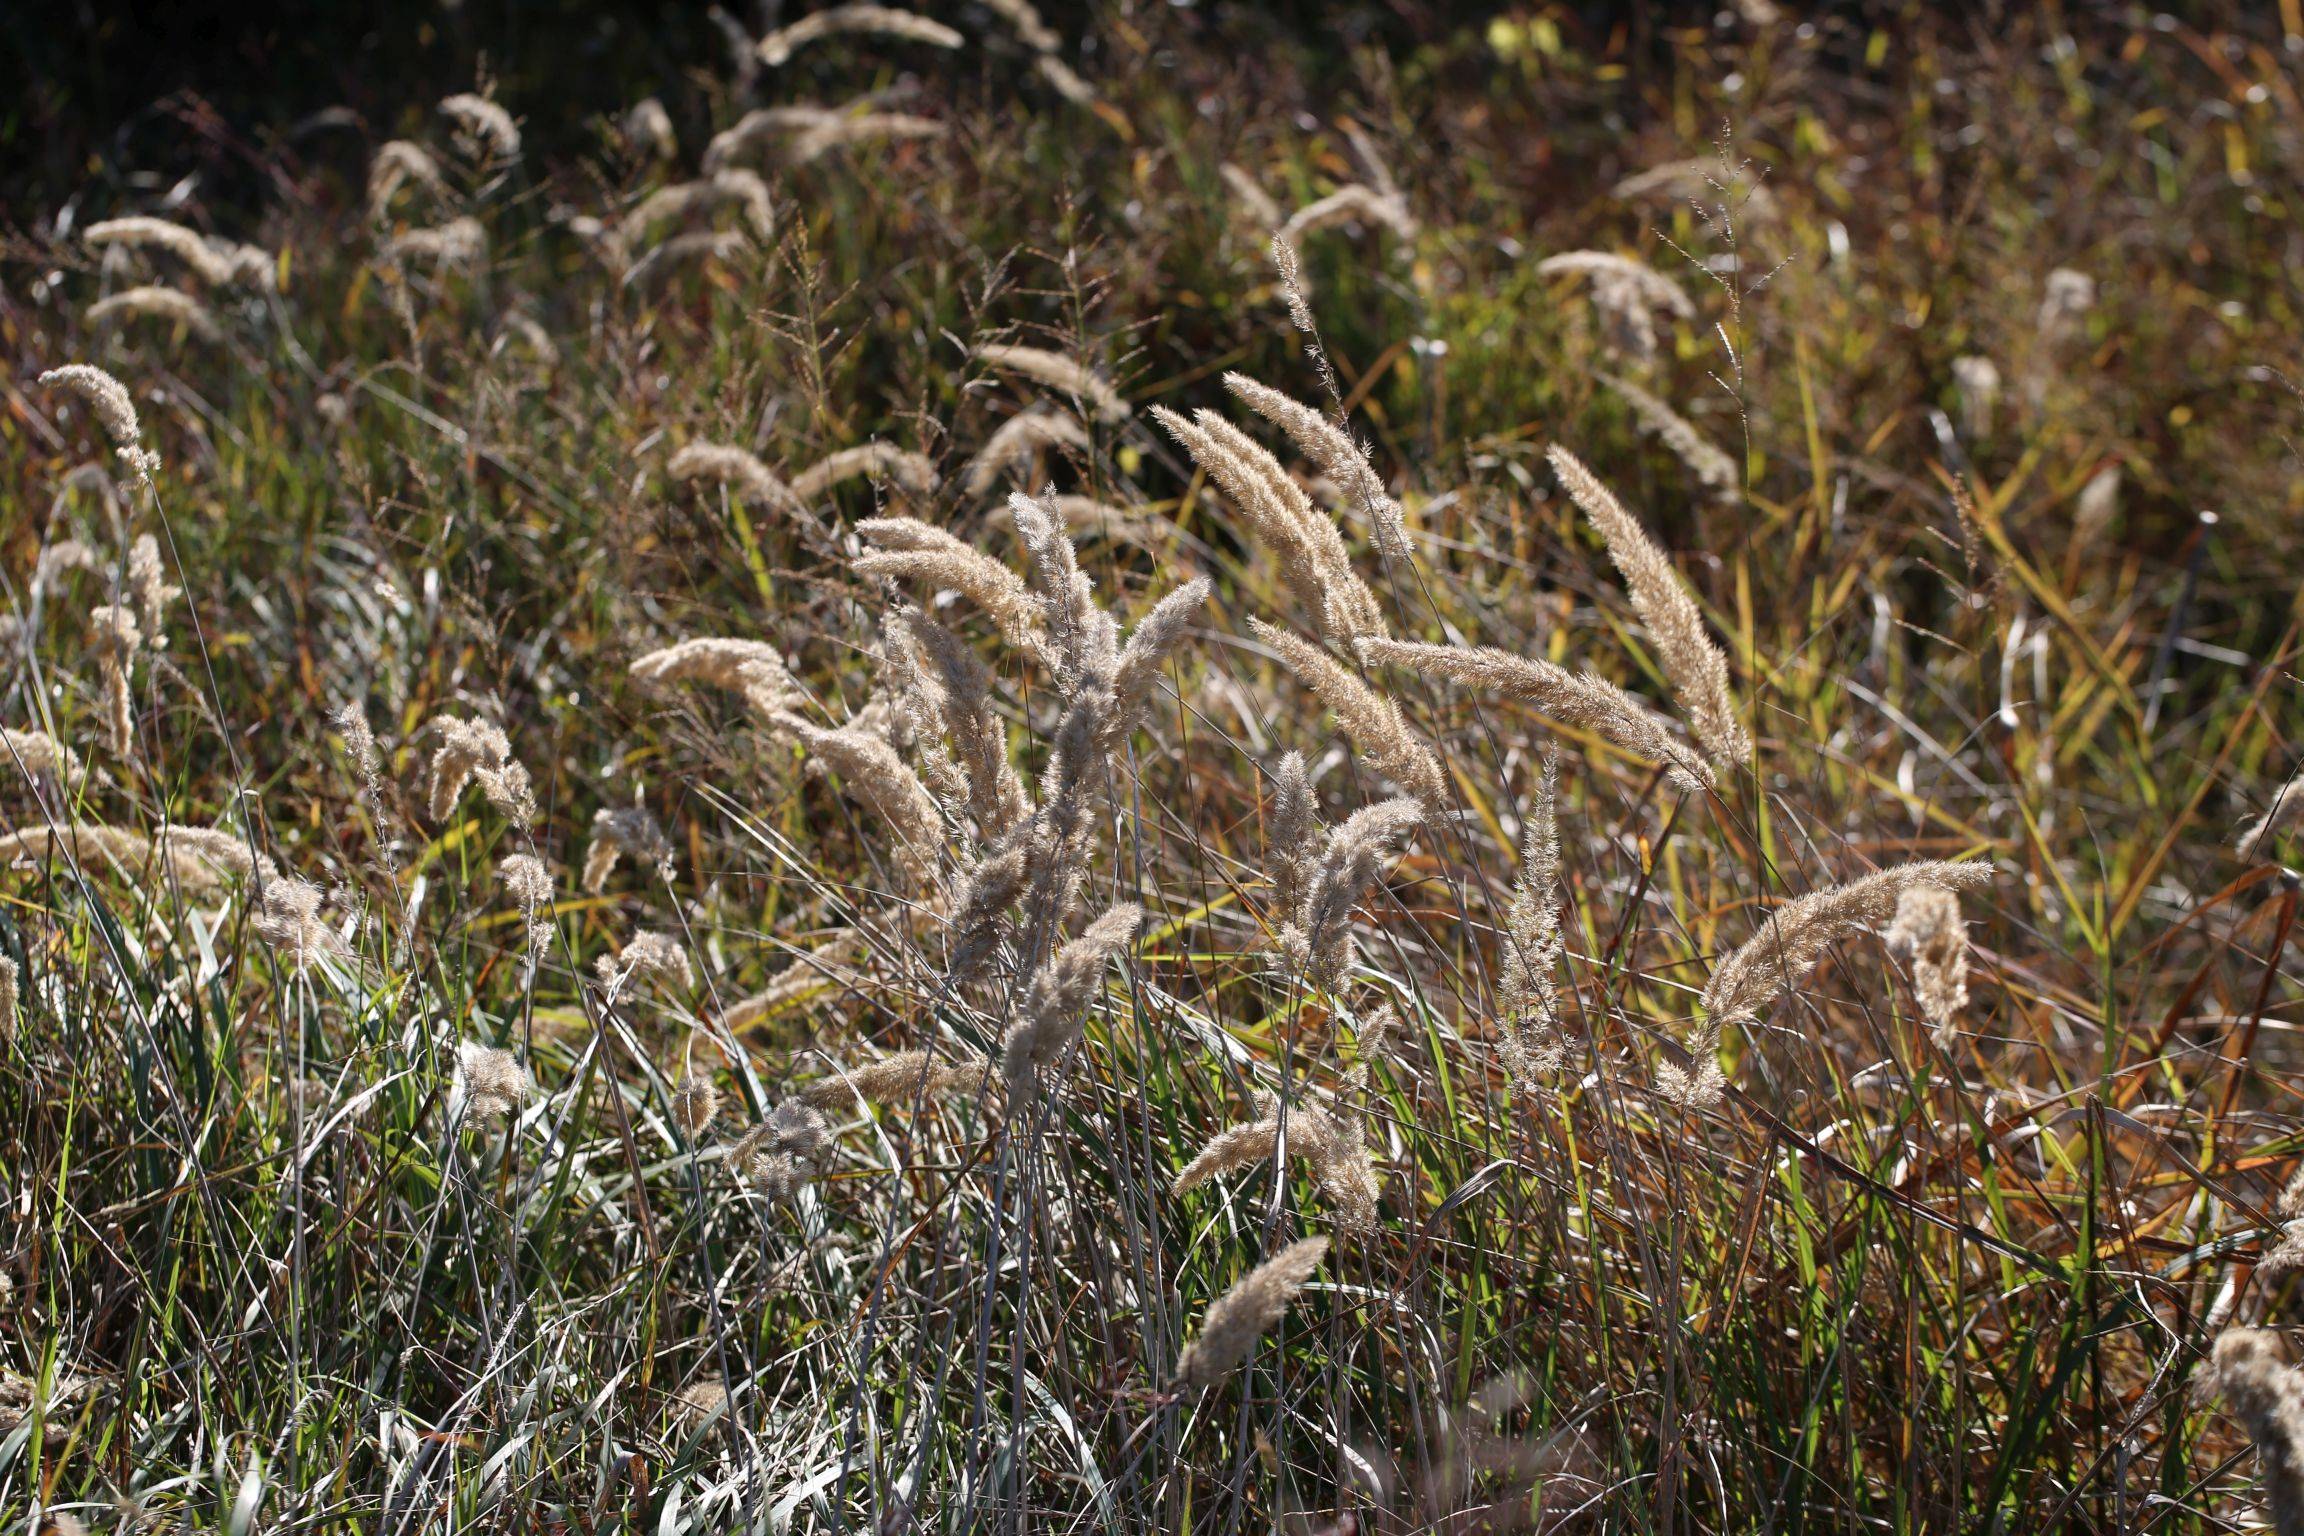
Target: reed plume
pixel 1581 702
pixel 1694 181
pixel 1332 1144
pixel 1304 541
pixel 494 1084
pixel 36 754
pixel 1527 986
pixel 619 830
pixel 1150 645
pixel 695 1105
pixel 860 20
pixel 217 263
pixel 1019 440
pixel 728 187
pixel 959 687
pixel 695 245
pixel 810 973
pixel 1389 210
pixel 1051 1017
pixel 1294 833
pixel 651 956
pixel 1716 471
pixel 2287 804
pixel 2266 1394
pixel 168 304
pixel 1653 288
pixel 1033 32
pixel 1373 721
pixel 907 1077
pixel 700 1402
pixel 838 130
pixel 1255 204
pixel 725 464
pixel 752 669
pixel 484 130
pixel 882 461
pixel 114 637
pixel 472 751
pixel 909 550
pixel 1054 369
pixel 1692 663
pixel 108 399
pixel 876 778
pixel 398 164
pixel 148 585
pixel 758 128
pixel 461 242
pixel 1339 457
pixel 1929 931
pixel 288 919
pixel 784 1151
pixel 648 129
pixel 199 858
pixel 1319 943
pixel 1243 1314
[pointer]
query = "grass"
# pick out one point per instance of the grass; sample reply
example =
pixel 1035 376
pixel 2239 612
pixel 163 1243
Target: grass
pixel 268 1273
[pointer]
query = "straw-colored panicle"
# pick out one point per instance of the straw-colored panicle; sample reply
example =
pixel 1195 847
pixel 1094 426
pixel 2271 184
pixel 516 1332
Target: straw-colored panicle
pixel 1033 32
pixel 728 187
pixel 168 305
pixel 701 245
pixel 1294 834
pixel 1019 442
pixel 876 778
pixel 1339 457
pixel 287 919
pixel 2265 1393
pixel 2065 300
pixel 752 669
pixel 900 467
pixel 1150 646
pixel 399 164
pixel 1319 943
pixel 741 472
pixel 1705 180
pixel 695 1105
pixel 1085 385
pixel 700 1402
pixel 647 128
pixel 1976 382
pixel 1579 701
pixel 484 130
pixel 1332 1143
pixel 618 831
pixel 2287 804
pixel 1353 201
pixel 198 858
pixel 149 587
pixel 461 242
pixel 1304 541
pixel 1065 80
pixel 1083 641
pixel 108 398
pixel 958 692
pixel 979 907
pixel 819 970
pixel 784 1151
pixel 906 1078
pixel 494 1084
pixel 2287 1255
pixel 651 956
pixel 1930 933
pixel 1255 205
pixel 1054 1006
pixel 856 20
pixel 2096 506
pixel 1244 1314
pixel 477 751
pixel 37 755
pixel 757 129
pixel 1693 664
pixel 526 881
pixel 11 997
pixel 838 130
pixel 1715 469
pixel 1653 288
pixel 216 263
pixel 114 637
pixel 1373 721
pixel 1528 957
pixel 906 549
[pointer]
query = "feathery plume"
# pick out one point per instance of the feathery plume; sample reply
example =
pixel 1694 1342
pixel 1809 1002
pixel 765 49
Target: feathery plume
pixel 528 882
pixel 752 669
pixel 1150 644
pixel 398 164
pixel 197 857
pixel 652 956
pixel 176 308
pixel 149 586
pixel 648 129
pixel 1051 1016
pixel 461 242
pixel 1373 721
pixel 484 130
pixel 114 637
pixel 1339 457
pixel 784 1151
pixel 1581 702
pixel 1256 204
pixel 1352 201
pixel 1698 180
pixel 876 778
pixel 728 187
pixel 1320 941
pixel 837 130
pixel 1083 644
pixel 1305 544
pixel 1057 371
pixel 1715 470
pixel 728 465
pixel 477 750
pixel 962 704
pixel 217 263
pixel 2096 506
pixel 1243 1314
pixel 2065 300
pixel 620 830
pixel 908 1077
pixel 1653 289
pixel 494 1084
pixel 909 549
pixel 724 245
pixel 2266 1394
pixel 700 1402
pixel 882 461
pixel 875 20
pixel 759 127
pixel 1294 834
pixel 1065 80
pixel 10 979
pixel 108 398
pixel 1527 991
pixel 1976 380
pixel 1020 439
pixel 1031 30
pixel 288 919
pixel 989 890
pixel 695 1105
pixel 821 968
pixel 1692 663
pixel 2287 804
pixel 1929 932
pixel 36 753
pixel 1333 1145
